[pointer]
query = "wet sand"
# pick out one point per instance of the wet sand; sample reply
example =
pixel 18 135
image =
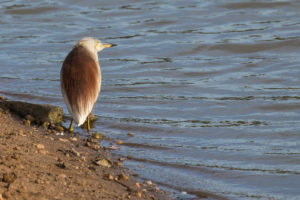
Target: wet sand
pixel 38 164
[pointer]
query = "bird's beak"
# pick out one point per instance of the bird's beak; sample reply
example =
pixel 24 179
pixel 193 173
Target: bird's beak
pixel 109 45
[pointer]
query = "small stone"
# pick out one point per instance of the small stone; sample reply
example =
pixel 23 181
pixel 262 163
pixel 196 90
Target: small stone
pixel 92 140
pixel 40 146
pixel 20 166
pixel 15 156
pixel 59 128
pixel 27 123
pixel 38 181
pixel 63 140
pixel 129 157
pixel 112 147
pixel 120 142
pixel 139 194
pixel 59 133
pixel 95 146
pixel 43 151
pixel 17 148
pixel 103 163
pixel 83 158
pixel 98 135
pixel 61 176
pixel 73 151
pixel 121 159
pixel 109 177
pixel 122 176
pixel 137 184
pixel 74 139
pixel 183 192
pixel 118 164
pixel 130 134
pixel 149 182
pixel 9 177
pixel 61 165
pixel 21 132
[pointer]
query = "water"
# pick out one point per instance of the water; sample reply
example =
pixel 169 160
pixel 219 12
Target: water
pixel 210 89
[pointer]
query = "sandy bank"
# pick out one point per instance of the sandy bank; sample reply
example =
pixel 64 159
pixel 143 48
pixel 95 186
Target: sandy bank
pixel 35 163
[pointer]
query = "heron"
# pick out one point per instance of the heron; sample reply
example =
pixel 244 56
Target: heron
pixel 80 79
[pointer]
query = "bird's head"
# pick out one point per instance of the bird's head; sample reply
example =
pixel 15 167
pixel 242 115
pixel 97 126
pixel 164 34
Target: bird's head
pixel 92 44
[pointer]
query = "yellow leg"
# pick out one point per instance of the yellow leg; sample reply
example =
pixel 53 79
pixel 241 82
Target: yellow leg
pixel 88 125
pixel 71 127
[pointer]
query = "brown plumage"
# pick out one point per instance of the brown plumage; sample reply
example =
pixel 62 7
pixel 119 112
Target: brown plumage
pixel 80 78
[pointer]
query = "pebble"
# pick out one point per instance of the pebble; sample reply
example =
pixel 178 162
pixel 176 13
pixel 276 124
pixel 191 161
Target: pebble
pixel 149 182
pixel 120 142
pixel 137 184
pixel 58 133
pixel 98 135
pixel 157 189
pixel 61 176
pixel 59 128
pixel 61 165
pixel 38 181
pixel 83 158
pixel 121 159
pixel 183 192
pixel 20 166
pixel 103 163
pixel 75 152
pixel 21 133
pixel 139 194
pixel 40 146
pixel 130 134
pixel 74 139
pixel 43 151
pixel 9 177
pixel 95 146
pixel 109 177
pixel 122 176
pixel 63 140
pixel 112 147
pixel 27 123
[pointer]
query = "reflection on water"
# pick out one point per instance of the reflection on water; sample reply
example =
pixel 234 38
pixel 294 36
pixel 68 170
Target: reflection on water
pixel 209 89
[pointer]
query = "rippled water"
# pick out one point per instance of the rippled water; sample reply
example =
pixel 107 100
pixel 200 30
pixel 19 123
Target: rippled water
pixel 210 89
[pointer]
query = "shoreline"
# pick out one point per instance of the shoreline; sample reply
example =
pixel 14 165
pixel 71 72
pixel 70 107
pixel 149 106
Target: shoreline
pixel 36 163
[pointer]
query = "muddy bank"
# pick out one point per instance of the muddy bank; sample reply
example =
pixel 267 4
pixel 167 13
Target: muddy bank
pixel 36 163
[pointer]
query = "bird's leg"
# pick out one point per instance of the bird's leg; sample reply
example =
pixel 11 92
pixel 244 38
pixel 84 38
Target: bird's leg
pixel 71 127
pixel 88 125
